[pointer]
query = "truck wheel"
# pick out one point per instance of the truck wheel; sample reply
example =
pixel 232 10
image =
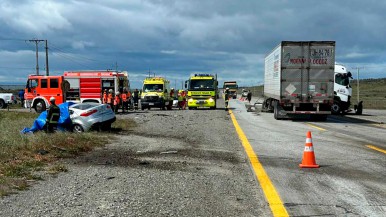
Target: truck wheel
pixel 359 109
pixel 40 106
pixel 335 108
pixel 276 114
pixel 2 104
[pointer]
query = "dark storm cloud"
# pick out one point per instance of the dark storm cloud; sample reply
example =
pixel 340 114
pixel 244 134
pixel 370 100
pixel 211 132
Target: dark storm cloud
pixel 179 37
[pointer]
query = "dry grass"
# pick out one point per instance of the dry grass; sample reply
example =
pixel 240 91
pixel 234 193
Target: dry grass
pixel 372 92
pixel 22 155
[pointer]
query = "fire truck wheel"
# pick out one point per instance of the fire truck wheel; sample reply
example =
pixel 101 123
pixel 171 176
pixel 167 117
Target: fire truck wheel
pixel 40 106
pixel 77 128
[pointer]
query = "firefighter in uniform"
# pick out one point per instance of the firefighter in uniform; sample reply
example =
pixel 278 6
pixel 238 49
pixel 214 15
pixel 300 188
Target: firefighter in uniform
pixel 110 99
pixel 183 94
pixel 129 101
pixel 180 100
pixel 117 102
pixel 226 98
pixel 53 115
pixel 124 100
pixel 171 97
pixel 104 99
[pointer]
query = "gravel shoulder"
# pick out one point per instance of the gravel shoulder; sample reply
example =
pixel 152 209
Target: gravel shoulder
pixel 174 163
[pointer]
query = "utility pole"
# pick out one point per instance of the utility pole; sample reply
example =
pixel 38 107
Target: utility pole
pixel 37 55
pixel 47 69
pixel 357 68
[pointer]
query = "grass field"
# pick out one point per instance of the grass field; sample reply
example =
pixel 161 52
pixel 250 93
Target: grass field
pixel 371 91
pixel 23 156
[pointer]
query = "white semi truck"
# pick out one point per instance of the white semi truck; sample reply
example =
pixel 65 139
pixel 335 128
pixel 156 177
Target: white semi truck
pixel 343 92
pixel 299 79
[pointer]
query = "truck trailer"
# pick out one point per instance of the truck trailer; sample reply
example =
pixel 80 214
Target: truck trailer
pixel 299 79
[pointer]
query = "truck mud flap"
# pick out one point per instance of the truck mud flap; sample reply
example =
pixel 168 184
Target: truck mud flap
pixel 278 112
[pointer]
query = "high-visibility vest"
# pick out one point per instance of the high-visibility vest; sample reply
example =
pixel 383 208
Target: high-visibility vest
pixel 124 97
pixel 109 98
pixel 104 97
pixel 180 99
pixel 128 95
pixel 116 100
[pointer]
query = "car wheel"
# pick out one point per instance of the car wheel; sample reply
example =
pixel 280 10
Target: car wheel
pixel 77 128
pixel 40 106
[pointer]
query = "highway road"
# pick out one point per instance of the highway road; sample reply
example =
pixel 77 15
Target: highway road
pixel 351 180
pixel 215 163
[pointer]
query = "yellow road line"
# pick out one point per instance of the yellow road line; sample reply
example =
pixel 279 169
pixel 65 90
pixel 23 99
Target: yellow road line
pixel 316 127
pixel 269 190
pixel 376 148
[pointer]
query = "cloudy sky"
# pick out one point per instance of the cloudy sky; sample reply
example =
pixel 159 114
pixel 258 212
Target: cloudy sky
pixel 175 38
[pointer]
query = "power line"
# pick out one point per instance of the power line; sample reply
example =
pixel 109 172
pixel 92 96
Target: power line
pixel 12 39
pixel 67 52
pixel 15 67
pixel 70 58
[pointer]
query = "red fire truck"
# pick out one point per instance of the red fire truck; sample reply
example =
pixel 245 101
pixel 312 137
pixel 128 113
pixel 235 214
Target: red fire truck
pixel 74 86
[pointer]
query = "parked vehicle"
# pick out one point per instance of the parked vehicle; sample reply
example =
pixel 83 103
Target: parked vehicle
pixel 299 79
pixel 244 93
pixel 233 87
pixel 86 116
pixel 74 86
pixel 156 93
pixel 7 98
pixel 202 91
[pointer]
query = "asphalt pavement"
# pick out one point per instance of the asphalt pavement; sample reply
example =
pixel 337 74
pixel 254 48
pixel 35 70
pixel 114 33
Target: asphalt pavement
pixel 350 180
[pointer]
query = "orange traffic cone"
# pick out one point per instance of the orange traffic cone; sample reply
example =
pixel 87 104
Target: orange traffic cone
pixel 308 154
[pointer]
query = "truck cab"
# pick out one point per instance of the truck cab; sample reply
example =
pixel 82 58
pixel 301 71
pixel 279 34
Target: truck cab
pixel 202 91
pixel 156 93
pixel 39 89
pixel 342 90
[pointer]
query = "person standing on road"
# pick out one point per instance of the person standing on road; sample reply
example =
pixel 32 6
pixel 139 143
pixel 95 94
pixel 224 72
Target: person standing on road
pixel 21 96
pixel 180 99
pixel 53 115
pixel 183 94
pixel 129 100
pixel 124 100
pixel 136 97
pixel 226 98
pixel 104 98
pixel 117 102
pixel 110 99
pixel 249 96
